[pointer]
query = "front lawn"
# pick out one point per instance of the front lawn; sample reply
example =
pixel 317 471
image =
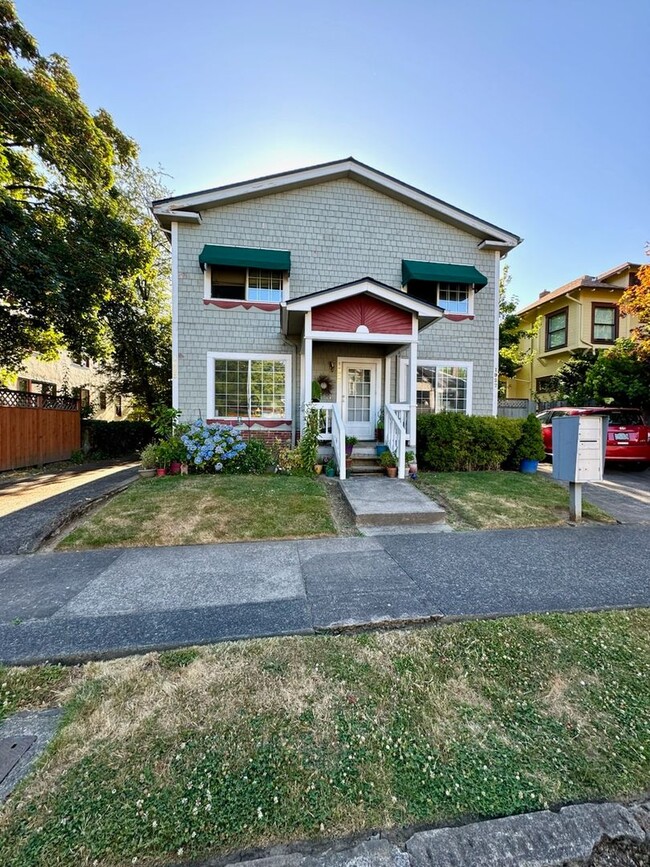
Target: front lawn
pixel 214 749
pixel 186 510
pixel 500 500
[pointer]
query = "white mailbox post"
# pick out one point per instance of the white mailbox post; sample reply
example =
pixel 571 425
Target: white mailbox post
pixel 579 443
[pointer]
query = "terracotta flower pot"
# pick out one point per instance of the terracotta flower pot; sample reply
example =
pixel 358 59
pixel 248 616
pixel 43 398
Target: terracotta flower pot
pixel 391 472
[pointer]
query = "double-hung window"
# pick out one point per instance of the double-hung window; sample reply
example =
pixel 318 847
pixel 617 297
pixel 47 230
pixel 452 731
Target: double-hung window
pixel 249 386
pixel 557 326
pixel 603 323
pixel 245 284
pixel 454 297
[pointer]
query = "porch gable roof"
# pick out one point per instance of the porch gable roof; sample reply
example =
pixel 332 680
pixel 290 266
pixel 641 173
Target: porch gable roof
pixel 293 311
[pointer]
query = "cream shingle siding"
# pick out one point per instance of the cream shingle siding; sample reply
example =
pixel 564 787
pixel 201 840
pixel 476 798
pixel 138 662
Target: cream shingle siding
pixel 337 232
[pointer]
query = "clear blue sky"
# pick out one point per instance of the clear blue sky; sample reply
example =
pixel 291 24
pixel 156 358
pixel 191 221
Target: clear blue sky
pixel 532 115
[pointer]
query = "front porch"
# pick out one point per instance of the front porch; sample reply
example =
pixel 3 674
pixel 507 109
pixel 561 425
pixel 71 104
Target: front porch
pixel 352 341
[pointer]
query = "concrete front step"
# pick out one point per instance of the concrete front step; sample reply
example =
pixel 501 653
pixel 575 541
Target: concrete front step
pixel 380 501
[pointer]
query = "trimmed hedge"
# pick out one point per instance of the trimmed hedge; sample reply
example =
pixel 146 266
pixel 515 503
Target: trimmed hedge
pixel 451 442
pixel 115 439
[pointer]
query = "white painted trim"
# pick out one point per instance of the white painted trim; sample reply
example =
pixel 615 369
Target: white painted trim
pixel 250 356
pixel 391 296
pixel 356 337
pixel 341 361
pixel 175 396
pixel 176 216
pixel 341 169
pixel 495 395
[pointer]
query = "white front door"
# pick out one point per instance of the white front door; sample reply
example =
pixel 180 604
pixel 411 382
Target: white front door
pixel 359 398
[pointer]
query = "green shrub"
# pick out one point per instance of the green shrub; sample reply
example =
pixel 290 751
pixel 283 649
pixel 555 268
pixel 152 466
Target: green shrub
pixel 451 442
pixel 116 439
pixel 256 459
pixel 530 446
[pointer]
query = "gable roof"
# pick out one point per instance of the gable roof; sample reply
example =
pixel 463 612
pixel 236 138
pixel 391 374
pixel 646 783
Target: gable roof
pixel 584 282
pixel 186 208
pixel 293 310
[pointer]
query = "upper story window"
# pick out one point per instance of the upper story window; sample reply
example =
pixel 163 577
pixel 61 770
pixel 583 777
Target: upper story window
pixel 454 297
pixel 245 284
pixel 556 329
pixel 604 322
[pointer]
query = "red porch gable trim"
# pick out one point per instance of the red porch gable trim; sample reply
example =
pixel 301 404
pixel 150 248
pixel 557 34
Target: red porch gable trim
pixel 361 310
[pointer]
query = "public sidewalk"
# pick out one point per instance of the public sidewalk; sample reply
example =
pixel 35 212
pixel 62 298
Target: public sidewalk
pixel 111 602
pixel 32 508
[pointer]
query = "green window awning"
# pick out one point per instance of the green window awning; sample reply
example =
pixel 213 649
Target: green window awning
pixel 246 257
pixel 439 272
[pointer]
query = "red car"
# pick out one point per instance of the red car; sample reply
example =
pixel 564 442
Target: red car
pixel 628 437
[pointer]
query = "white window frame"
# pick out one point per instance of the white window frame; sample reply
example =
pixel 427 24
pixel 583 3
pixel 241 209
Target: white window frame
pixel 427 362
pixel 207 287
pixel 250 356
pixel 470 299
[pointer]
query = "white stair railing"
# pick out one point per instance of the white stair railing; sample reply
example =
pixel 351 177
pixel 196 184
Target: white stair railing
pixel 338 439
pixel 395 415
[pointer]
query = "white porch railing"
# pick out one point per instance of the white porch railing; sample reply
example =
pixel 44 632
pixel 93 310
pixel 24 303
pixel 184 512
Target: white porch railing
pixel 395 427
pixel 332 430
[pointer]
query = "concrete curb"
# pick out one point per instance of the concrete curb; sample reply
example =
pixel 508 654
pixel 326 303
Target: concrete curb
pixel 567 838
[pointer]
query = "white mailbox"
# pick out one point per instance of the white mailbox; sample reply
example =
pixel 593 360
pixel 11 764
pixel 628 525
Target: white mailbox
pixel 579 443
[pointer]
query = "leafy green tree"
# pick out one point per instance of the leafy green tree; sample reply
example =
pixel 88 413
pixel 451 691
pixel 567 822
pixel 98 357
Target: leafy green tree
pixel 511 332
pixel 77 259
pixel 620 376
pixel 572 375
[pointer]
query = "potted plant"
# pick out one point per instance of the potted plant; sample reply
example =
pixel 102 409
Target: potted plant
pixel 530 448
pixel 379 428
pixel 330 468
pixel 412 463
pixel 177 455
pixel 389 463
pixel 148 459
pixel 318 468
pixel 350 443
pixel 162 458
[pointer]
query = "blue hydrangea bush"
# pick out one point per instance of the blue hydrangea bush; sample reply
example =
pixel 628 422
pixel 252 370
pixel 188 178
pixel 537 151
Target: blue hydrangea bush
pixel 211 446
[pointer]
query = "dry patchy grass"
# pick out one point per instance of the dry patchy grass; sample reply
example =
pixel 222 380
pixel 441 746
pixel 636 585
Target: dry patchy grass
pixel 248 744
pixel 503 500
pixel 207 509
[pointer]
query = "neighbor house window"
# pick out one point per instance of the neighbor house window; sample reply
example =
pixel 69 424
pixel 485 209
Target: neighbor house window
pixel 556 329
pixel 454 297
pixel 546 384
pixel 603 323
pixel 443 387
pixel 245 284
pixel 102 400
pixel 118 406
pixel 250 387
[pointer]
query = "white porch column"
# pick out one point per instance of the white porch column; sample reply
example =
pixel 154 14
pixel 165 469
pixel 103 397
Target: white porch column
pixel 388 372
pixel 413 384
pixel 307 367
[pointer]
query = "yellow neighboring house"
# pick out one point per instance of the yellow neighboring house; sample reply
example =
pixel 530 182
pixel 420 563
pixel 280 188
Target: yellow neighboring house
pixel 81 377
pixel 582 314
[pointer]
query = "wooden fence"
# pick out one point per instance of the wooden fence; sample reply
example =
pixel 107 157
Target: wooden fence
pixel 37 429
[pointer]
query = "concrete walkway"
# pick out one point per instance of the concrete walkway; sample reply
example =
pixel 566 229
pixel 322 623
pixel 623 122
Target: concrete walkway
pixel 33 508
pixel 71 606
pixel 382 505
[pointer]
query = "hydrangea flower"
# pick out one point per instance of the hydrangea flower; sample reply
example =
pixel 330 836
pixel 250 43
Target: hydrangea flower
pixel 211 445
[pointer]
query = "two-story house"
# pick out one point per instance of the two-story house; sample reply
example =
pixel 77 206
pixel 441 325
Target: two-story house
pixel 335 282
pixel 582 314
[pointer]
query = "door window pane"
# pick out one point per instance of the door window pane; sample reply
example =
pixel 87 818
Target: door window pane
pixel 358 395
